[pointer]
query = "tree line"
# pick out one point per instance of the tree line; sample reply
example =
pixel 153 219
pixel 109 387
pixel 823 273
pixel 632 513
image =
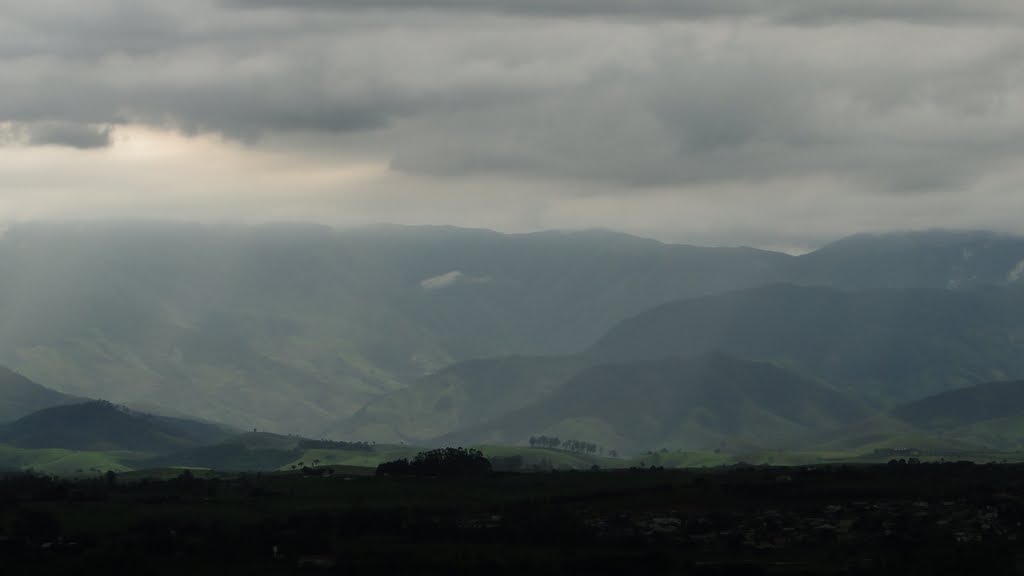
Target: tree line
pixel 335 445
pixel 556 443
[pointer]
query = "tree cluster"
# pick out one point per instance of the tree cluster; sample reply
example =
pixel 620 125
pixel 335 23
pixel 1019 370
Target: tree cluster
pixel 556 443
pixel 335 445
pixel 440 462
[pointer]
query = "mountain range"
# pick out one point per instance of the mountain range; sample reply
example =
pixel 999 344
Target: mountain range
pixel 877 348
pixel 739 409
pixel 435 334
pixel 291 327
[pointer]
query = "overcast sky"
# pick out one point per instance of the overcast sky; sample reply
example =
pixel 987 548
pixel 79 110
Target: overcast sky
pixel 761 122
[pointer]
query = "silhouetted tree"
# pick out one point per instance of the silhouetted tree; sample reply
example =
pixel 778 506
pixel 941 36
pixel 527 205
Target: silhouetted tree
pixel 441 462
pixel 398 467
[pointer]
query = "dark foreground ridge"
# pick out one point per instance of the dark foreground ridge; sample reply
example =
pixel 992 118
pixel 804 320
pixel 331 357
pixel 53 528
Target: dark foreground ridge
pixel 886 519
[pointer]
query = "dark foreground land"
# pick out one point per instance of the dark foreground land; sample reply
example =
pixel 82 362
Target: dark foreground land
pixel 897 519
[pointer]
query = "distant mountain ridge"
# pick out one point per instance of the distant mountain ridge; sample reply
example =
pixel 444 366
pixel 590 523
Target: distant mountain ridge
pixel 890 345
pixel 975 419
pixel 987 401
pixel 295 328
pixel 930 258
pixel 20 396
pixel 880 347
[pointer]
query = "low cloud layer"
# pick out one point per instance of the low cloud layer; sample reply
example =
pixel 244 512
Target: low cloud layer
pixel 725 121
pixel 79 136
pixel 782 11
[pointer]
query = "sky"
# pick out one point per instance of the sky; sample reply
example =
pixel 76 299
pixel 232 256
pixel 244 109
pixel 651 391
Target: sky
pixel 773 123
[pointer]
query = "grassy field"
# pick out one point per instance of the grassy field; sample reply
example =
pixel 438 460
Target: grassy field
pixel 556 459
pixel 66 462
pixel 274 454
pixel 530 457
pixel 329 457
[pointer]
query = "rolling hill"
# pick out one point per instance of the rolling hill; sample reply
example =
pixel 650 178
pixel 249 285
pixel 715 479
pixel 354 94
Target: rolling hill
pixel 988 401
pixel 989 415
pixel 704 402
pixel 102 426
pixel 978 419
pixel 267 451
pixel 889 346
pixel 464 395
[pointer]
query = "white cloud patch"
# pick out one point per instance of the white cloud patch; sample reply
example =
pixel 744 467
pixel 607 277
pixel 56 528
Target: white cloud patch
pixel 442 281
pixel 450 279
pixel 1017 273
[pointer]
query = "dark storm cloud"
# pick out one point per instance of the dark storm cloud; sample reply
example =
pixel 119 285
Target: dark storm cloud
pixel 189 66
pixel 61 134
pixel 788 11
pixel 897 97
pixel 86 30
pixel 754 117
pixel 82 137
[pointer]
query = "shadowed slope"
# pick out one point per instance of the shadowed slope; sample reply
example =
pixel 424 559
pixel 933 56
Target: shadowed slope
pixel 103 426
pixel 694 403
pixel 888 345
pixel 20 396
